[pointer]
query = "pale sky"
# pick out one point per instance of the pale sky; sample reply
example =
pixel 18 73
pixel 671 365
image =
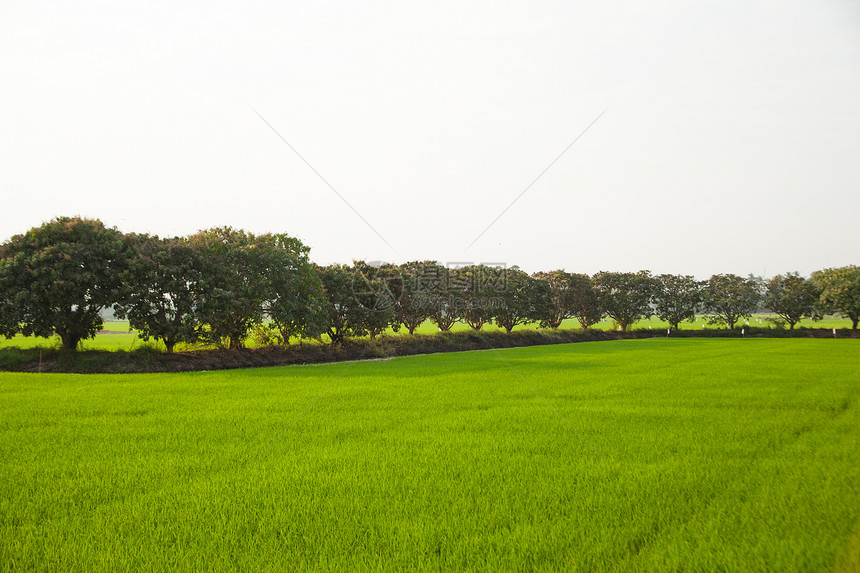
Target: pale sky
pixel 730 140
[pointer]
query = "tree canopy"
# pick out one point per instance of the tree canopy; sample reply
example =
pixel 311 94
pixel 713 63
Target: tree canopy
pixel 625 297
pixel 161 289
pixel 219 285
pixel 522 299
pixel 56 279
pixel 840 291
pixel 791 297
pixel 730 298
pixel 677 298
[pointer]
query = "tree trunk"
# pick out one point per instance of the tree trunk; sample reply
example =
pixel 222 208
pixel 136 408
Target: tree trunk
pixel 70 341
pixel 854 322
pixel 169 343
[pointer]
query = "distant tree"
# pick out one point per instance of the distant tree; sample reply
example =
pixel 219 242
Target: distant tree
pixel 10 320
pixel 761 285
pixel 730 298
pixel 361 300
pixel 522 299
pixel 625 297
pixel 474 289
pixel 559 306
pixel 584 299
pixel 57 278
pixel 341 306
pixel 412 307
pixel 791 297
pixel 232 303
pixel 162 288
pixel 253 277
pixel 840 291
pixel 377 289
pixel 677 298
pixel 437 295
pixel 296 301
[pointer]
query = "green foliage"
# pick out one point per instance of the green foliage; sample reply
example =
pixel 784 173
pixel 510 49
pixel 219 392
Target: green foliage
pixel 584 300
pixel 474 290
pixel 558 307
pixel 251 277
pixel 162 288
pixel 438 296
pixel 677 298
pixel 413 304
pixel 377 289
pixel 340 303
pixel 10 317
pixel 522 299
pixel 361 299
pixel 58 277
pixel 791 297
pixel 266 334
pixel 295 301
pixel 236 287
pixel 840 291
pixel 625 297
pixel 730 298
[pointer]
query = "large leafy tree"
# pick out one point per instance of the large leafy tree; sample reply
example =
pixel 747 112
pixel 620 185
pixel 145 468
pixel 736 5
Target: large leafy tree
pixel 558 307
pixel 413 303
pixel 791 297
pixel 10 321
pixel 56 279
pixel 437 295
pixel 677 298
pixel 295 301
pixel 730 298
pixel 474 291
pixel 252 277
pixel 233 301
pixel 360 300
pixel 522 299
pixel 840 291
pixel 162 288
pixel 625 297
pixel 377 289
pixel 341 306
pixel 584 300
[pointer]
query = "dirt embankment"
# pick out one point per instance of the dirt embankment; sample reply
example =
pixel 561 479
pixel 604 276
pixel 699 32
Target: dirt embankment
pixel 146 359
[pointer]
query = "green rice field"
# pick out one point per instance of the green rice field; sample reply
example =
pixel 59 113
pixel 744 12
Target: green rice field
pixel 635 455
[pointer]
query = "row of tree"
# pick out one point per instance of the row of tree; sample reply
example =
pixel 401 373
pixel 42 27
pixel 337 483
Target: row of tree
pixel 223 285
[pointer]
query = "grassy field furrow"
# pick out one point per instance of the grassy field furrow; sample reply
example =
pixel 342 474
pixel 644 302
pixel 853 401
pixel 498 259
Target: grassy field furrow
pixel 628 455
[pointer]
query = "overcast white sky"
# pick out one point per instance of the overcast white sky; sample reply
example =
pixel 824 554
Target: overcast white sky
pixel 730 142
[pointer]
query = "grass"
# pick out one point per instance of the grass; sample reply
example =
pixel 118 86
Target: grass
pixel 629 455
pixel 122 338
